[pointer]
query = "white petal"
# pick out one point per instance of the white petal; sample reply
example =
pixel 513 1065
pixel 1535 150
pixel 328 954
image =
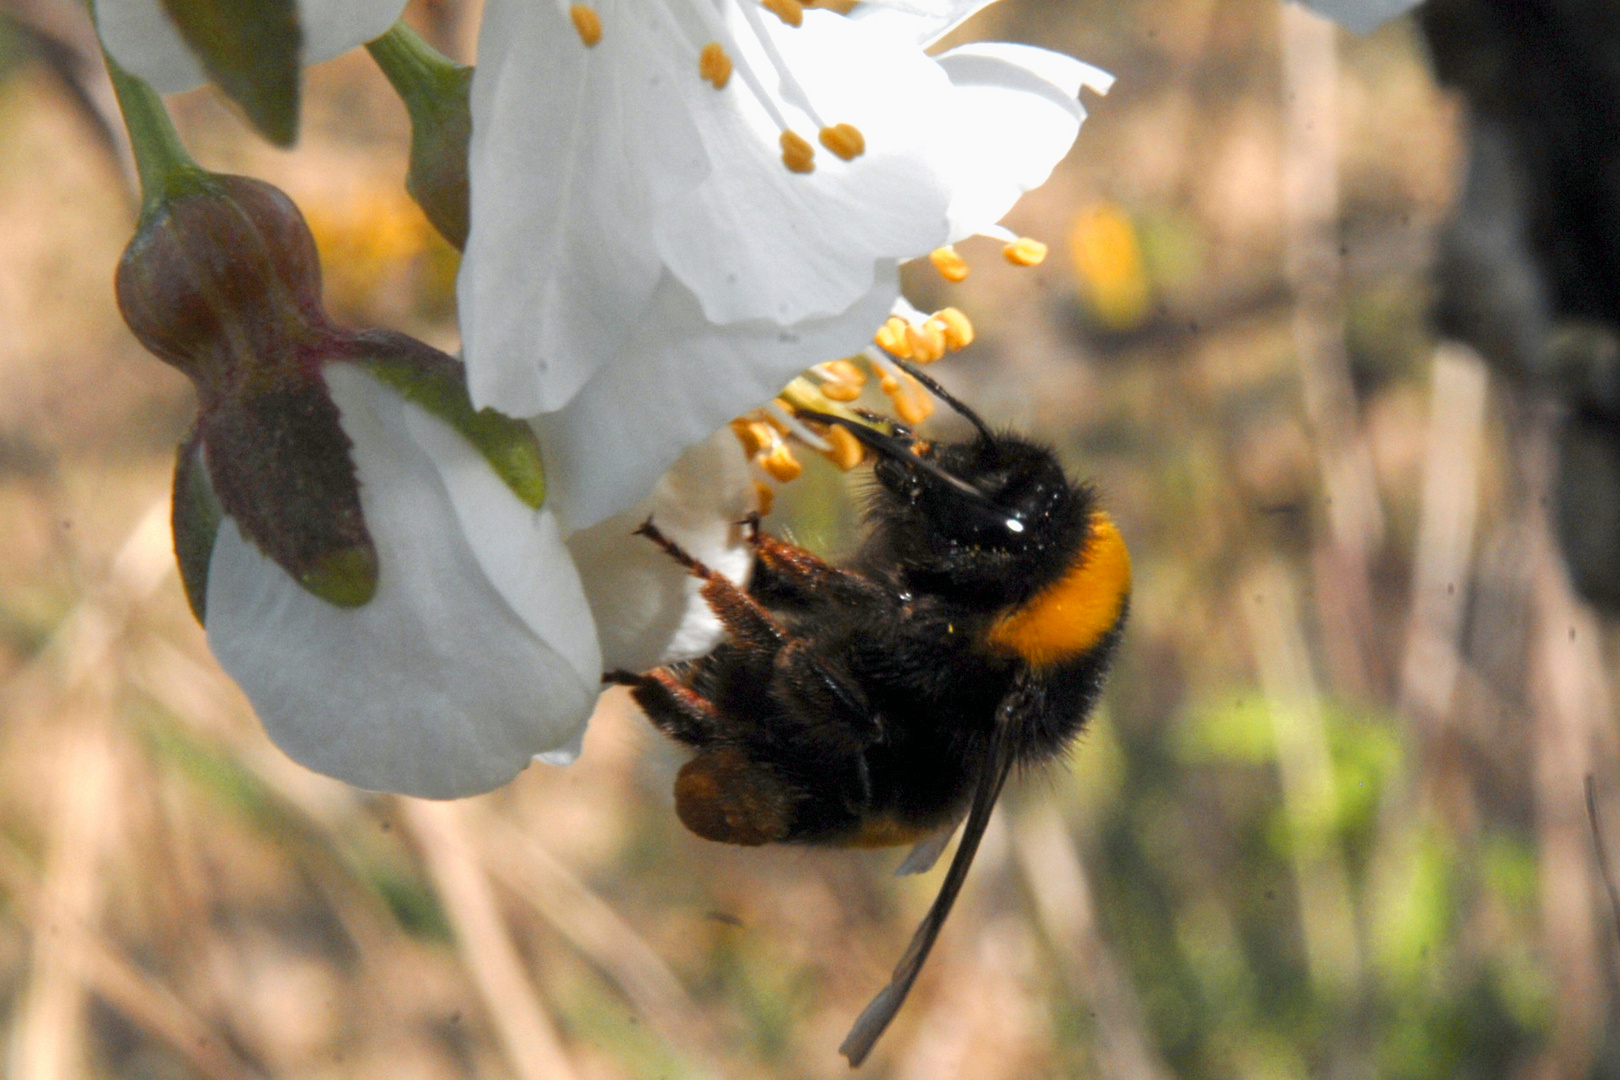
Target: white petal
pixel 439 686
pixel 755 241
pixel 678 378
pixel 333 27
pixel 569 146
pixel 516 546
pixel 140 36
pixel 646 606
pixel 1362 16
pixel 1017 113
pixel 921 22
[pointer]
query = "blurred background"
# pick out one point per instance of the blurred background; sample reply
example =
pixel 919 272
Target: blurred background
pixel 1332 820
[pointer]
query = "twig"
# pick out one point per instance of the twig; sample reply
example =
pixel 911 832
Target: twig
pixel 596 930
pixel 1602 855
pixel 134 993
pixel 532 1044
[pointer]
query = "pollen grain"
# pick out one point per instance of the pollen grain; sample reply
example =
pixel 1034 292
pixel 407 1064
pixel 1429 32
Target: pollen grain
pixel 958 328
pixel 789 11
pixel 927 341
pixel 845 140
pixel 891 337
pixel 911 402
pixel 714 65
pixel 587 23
pixel 1025 251
pixel 781 463
pixel 950 264
pixel 797 153
pixel 847 451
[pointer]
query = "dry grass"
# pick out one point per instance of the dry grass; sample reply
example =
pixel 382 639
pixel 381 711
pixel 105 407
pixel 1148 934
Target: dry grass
pixel 178 899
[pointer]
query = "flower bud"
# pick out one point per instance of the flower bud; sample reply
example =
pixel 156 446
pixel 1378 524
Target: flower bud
pixel 222 281
pixel 436 92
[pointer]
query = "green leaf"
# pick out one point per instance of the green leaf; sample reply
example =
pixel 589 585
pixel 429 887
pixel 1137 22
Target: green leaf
pixel 509 445
pixel 195 518
pixel 252 49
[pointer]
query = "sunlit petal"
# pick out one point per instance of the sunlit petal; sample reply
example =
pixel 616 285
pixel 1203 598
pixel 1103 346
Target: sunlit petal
pixel 647 606
pixel 679 378
pixel 450 679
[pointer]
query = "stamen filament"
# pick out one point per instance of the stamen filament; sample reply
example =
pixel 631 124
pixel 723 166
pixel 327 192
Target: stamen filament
pixel 791 90
pixel 796 427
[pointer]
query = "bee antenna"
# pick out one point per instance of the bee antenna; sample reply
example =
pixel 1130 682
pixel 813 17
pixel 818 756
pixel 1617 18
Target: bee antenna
pixel 892 447
pixel 945 395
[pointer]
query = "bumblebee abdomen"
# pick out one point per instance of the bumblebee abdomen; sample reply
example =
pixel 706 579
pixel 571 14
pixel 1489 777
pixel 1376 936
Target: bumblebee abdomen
pixel 1076 613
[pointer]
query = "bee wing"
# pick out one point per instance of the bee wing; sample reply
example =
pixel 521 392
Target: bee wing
pixel 876 1016
pixel 925 853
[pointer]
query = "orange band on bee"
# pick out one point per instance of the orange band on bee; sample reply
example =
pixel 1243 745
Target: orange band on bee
pixel 1073 614
pixel 885 831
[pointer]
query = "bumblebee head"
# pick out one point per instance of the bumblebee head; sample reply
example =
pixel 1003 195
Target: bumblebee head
pixel 994 516
pixel 988 521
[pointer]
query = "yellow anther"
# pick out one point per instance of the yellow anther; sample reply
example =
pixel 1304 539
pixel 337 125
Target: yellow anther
pixel 958 330
pixel 846 371
pixel 714 65
pixel 754 435
pixel 845 140
pixel 911 402
pixel 891 337
pixel 776 423
pixel 764 497
pixel 789 11
pixel 781 464
pixel 927 341
pixel 843 381
pixel 1025 251
pixel 847 451
pixel 587 23
pixel 951 266
pixel 797 154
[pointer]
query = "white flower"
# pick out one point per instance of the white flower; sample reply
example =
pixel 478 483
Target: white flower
pixel 643 265
pixel 674 380
pixel 596 170
pixel 647 607
pixel 1017 111
pixel 479 649
pixel 474 654
pixel 1362 16
pixel 141 37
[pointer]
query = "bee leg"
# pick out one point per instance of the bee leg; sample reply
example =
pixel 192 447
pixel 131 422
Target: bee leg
pixel 749 624
pixel 673 707
pixel 785 574
pixel 831 711
pixel 726 796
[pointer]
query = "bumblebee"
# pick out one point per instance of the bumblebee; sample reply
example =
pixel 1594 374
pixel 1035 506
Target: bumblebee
pixel 883 702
